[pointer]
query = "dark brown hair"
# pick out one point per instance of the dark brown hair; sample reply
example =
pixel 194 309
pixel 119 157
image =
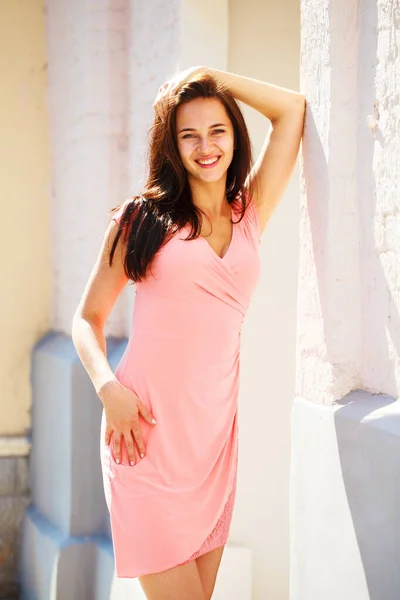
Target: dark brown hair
pixel 165 203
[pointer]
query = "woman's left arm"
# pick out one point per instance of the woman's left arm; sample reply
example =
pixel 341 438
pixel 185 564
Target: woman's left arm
pixel 285 109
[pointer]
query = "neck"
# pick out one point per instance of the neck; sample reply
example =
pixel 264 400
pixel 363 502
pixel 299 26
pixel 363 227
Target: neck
pixel 210 197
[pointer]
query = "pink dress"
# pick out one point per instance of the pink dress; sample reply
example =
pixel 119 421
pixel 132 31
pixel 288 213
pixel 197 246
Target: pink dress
pixel 182 360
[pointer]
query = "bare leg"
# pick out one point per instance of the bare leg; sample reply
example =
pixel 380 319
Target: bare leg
pixel 208 565
pixel 179 583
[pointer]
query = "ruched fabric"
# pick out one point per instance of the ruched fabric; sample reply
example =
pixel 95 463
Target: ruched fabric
pixel 182 360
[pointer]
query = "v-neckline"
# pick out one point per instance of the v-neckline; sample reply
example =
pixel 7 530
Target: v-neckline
pixel 222 258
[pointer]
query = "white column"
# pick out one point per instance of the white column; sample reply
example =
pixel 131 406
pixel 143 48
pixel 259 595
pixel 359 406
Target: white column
pixel 154 55
pixel 87 99
pixel 346 426
pixel 65 548
pixel 378 171
pixel 328 344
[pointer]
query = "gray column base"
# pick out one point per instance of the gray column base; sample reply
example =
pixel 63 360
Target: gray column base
pixel 66 546
pixel 61 567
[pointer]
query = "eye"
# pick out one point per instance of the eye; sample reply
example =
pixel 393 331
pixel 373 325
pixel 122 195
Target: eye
pixel 187 135
pixel 219 131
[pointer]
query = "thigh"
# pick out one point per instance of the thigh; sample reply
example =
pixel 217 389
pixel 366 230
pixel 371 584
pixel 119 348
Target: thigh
pixel 179 583
pixel 208 565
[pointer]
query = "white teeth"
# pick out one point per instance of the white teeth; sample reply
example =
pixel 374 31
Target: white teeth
pixel 210 161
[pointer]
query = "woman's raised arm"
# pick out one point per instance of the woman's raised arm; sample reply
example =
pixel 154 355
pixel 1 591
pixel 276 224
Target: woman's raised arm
pixel 285 109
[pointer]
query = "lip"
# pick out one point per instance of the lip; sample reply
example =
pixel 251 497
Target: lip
pixel 208 166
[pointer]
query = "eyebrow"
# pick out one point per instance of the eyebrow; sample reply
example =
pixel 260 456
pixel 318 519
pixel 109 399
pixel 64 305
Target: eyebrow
pixel 211 127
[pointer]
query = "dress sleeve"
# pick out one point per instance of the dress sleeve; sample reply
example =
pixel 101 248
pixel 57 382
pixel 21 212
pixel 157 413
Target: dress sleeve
pixel 253 221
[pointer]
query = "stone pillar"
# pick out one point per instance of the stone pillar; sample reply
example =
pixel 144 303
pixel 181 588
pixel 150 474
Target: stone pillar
pixel 345 488
pixel 65 539
pixel 154 43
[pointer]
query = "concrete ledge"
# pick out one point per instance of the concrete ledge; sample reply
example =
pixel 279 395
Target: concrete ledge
pixel 345 494
pixel 14 445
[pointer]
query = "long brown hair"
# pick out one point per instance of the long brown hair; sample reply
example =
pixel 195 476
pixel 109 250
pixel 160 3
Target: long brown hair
pixel 165 204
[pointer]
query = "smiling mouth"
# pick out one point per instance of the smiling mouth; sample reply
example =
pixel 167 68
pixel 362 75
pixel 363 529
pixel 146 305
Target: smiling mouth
pixel 208 163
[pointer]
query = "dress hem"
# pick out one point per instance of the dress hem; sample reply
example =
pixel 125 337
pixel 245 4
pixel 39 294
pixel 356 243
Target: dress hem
pixel 219 542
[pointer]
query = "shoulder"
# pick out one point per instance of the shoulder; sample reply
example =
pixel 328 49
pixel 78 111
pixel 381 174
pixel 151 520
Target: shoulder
pixel 119 211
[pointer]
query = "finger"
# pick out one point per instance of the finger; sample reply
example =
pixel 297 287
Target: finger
pixel 130 447
pixel 162 92
pixel 137 434
pixel 107 436
pixel 171 85
pixel 117 447
pixel 146 414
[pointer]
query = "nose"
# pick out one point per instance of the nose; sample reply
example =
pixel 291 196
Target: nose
pixel 204 144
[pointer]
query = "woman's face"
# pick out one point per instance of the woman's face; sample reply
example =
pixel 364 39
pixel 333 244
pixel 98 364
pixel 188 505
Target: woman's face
pixel 205 139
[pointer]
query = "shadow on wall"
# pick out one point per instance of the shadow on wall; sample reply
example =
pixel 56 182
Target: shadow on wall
pixel 367 425
pixel 379 316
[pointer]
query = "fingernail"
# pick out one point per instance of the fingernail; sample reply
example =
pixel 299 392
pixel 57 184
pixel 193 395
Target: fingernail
pixel 132 463
pixel 142 455
pixel 117 460
pixel 153 421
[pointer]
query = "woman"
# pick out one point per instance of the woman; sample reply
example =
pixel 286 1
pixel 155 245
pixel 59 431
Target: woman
pixel 190 243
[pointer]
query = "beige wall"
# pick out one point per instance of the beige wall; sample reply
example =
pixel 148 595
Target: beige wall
pixel 264 42
pixel 204 33
pixel 24 186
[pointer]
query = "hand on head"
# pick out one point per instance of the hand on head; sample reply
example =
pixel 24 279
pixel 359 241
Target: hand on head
pixel 170 87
